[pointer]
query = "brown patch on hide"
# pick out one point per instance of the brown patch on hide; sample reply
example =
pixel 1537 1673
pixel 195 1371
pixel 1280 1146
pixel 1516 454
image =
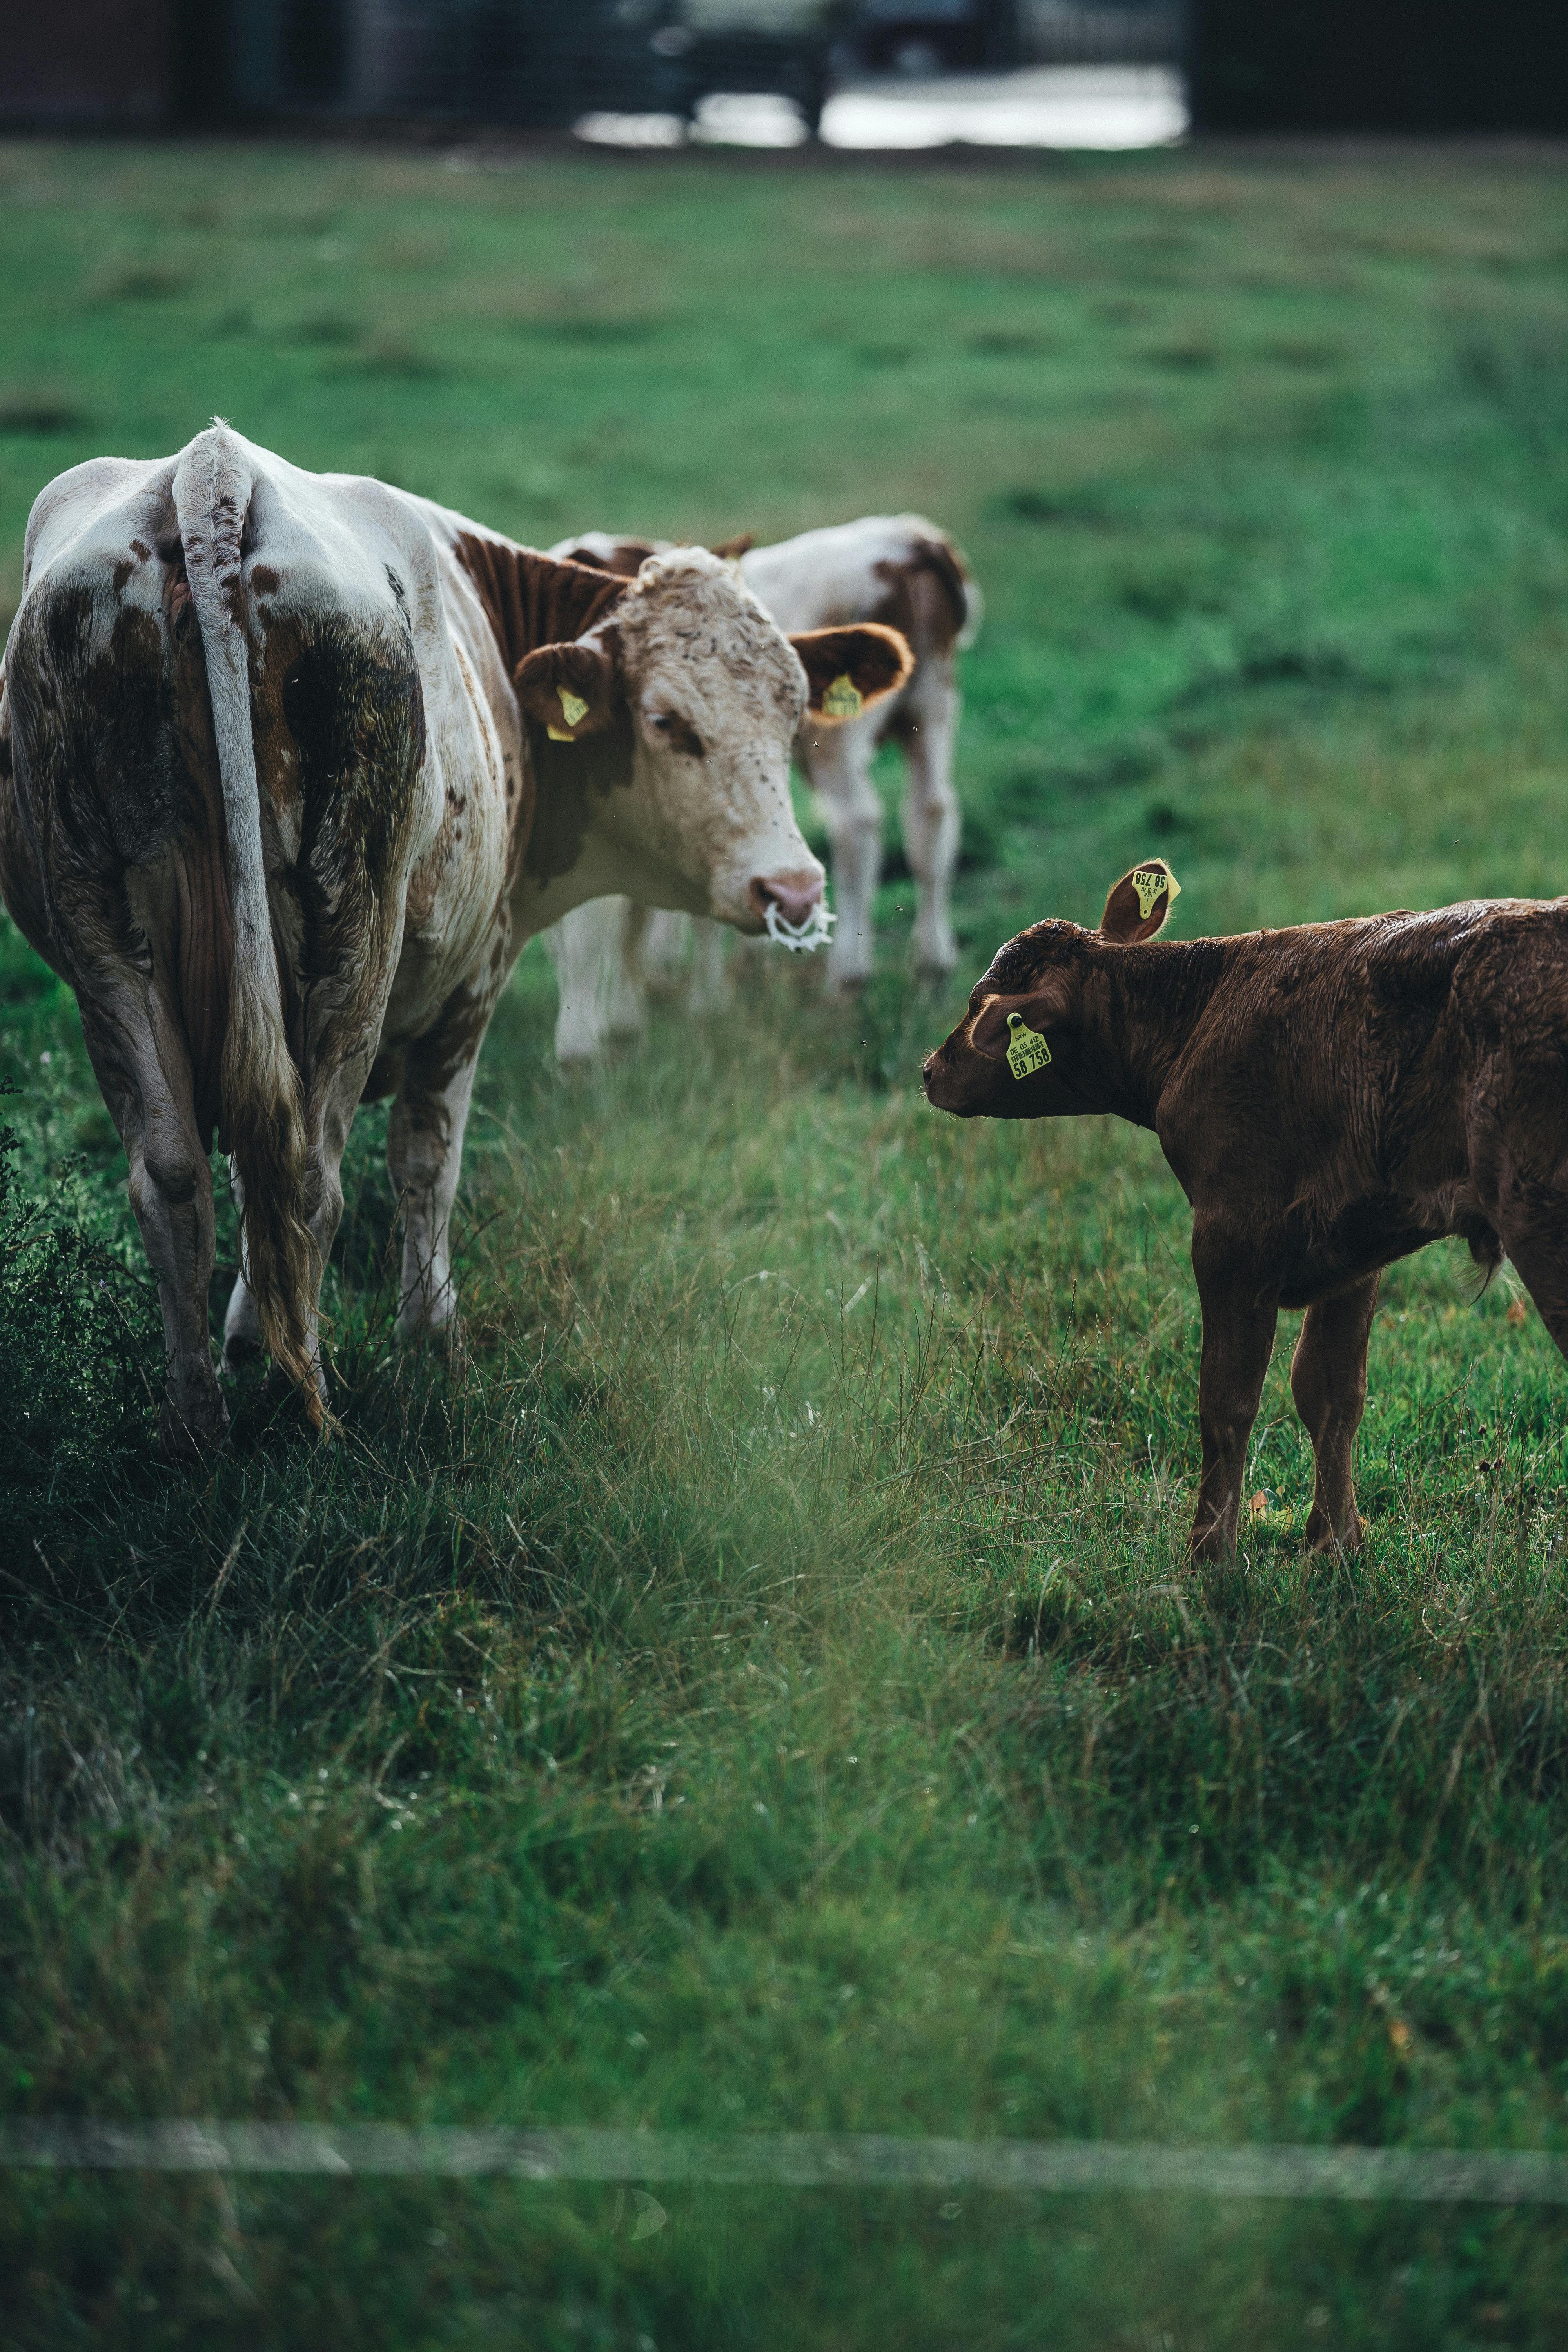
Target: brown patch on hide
pixel 924 598
pixel 570 778
pixel 276 753
pixel 263 581
pixel 122 572
pixel 141 550
pixel 531 599
pixel 533 602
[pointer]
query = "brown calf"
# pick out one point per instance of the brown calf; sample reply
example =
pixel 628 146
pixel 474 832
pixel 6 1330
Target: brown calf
pixel 1330 1098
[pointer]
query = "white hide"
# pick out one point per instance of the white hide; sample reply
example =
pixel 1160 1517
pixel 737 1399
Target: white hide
pixel 710 835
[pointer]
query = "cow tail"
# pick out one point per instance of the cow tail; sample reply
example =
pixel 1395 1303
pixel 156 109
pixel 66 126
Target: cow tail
pixel 263 1110
pixel 970 601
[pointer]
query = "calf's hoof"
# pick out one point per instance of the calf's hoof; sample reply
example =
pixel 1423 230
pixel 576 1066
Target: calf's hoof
pixel 1320 1536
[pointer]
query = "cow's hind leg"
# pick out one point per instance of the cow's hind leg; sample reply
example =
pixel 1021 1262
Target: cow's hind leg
pixel 328 1120
pixel 1328 1380
pixel 424 1155
pixel 1534 1227
pixel 139 1058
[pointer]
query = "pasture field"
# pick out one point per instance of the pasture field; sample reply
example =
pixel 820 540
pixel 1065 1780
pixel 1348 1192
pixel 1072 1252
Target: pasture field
pixel 756 1683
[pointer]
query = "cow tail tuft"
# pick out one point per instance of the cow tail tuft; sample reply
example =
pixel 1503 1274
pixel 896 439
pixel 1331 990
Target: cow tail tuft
pixel 263 1109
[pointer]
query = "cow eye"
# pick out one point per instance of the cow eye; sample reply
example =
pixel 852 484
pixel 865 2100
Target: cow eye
pixel 679 733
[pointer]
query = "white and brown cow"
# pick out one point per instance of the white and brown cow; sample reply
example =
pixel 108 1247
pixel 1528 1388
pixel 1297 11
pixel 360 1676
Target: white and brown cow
pixel 291 765
pixel 897 570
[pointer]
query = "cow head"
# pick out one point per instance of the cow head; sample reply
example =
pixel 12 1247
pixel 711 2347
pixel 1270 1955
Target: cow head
pixel 1019 1051
pixel 710 694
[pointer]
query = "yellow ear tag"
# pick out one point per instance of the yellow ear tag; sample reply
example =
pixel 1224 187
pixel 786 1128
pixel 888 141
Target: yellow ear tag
pixel 1149 881
pixel 843 699
pixel 1027 1050
pixel 574 707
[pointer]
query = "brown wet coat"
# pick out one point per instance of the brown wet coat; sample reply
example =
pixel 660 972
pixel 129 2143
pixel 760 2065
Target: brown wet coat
pixel 1331 1099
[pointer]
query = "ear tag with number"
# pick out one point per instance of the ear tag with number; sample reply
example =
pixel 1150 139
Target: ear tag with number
pixel 574 707
pixel 1149 881
pixel 1027 1050
pixel 843 699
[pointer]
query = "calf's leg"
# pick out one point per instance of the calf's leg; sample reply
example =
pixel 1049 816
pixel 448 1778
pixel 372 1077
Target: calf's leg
pixel 1328 1380
pixel 839 765
pixel 1239 1340
pixel 931 815
pixel 587 948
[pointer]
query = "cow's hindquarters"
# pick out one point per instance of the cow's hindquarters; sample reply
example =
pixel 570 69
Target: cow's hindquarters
pixel 108 860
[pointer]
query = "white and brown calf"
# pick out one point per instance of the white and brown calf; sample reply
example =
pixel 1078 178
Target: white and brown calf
pixel 895 569
pixel 291 765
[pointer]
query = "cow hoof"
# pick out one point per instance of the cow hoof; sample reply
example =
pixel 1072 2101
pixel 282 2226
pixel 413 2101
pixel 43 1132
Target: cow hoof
pixel 190 1428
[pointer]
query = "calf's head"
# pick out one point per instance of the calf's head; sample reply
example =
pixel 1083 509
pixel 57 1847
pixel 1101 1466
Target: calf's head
pixel 711 694
pixel 1020 1051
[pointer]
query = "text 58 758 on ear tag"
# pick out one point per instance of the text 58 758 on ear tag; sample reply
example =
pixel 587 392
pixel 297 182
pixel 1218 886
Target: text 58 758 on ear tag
pixel 1149 881
pixel 1027 1050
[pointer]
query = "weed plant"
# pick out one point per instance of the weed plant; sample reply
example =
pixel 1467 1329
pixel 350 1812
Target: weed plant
pixel 755 1681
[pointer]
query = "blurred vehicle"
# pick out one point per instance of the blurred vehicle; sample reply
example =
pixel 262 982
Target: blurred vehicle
pixel 702 48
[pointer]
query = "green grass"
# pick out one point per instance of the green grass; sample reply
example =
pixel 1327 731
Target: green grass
pixel 758 1683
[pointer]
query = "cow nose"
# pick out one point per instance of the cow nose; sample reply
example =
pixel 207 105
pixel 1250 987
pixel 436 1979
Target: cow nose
pixel 794 895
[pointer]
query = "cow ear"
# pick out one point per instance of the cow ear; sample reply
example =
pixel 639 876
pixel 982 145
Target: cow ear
pixel 623 560
pixel 1020 1030
pixel 729 550
pixel 1139 903
pixel 849 669
pixel 573 691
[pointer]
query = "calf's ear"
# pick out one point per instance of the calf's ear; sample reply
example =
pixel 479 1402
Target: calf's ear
pixel 849 669
pixel 572 690
pixel 1139 903
pixel 729 550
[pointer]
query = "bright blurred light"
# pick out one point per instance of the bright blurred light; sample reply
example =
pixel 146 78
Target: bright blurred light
pixel 726 120
pixel 632 129
pixel 1044 106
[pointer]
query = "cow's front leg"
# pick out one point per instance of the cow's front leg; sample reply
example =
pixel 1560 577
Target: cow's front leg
pixel 1239 1340
pixel 840 769
pixel 931 817
pixel 424 1155
pixel 1328 1380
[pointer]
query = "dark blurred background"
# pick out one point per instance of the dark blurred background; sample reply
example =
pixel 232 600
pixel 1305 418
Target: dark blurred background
pixel 1252 65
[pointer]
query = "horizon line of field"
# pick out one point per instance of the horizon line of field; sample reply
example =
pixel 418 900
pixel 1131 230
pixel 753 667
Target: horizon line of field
pixel 792 2159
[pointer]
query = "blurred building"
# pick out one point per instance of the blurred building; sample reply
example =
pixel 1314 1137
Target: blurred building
pixel 1379 65
pixel 140 64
